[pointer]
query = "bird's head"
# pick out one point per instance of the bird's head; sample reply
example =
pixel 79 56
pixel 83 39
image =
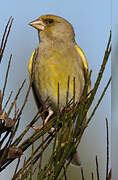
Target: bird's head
pixel 53 27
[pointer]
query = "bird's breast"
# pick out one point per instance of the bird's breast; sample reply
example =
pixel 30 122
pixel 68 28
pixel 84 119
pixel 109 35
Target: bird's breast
pixel 57 69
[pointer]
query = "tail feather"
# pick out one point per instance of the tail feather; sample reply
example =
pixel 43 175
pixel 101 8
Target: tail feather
pixel 75 159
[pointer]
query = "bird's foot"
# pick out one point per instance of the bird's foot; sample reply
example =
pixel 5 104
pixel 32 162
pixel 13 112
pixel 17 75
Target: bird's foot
pixel 45 121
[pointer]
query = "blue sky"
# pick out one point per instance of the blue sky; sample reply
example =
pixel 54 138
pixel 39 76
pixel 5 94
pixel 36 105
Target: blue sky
pixel 114 89
pixel 92 23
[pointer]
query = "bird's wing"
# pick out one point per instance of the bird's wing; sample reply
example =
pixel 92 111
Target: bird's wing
pixel 30 69
pixel 81 53
pixel 30 64
pixel 83 57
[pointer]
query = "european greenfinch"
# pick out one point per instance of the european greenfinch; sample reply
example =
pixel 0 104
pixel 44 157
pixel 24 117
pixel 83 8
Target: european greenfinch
pixel 57 57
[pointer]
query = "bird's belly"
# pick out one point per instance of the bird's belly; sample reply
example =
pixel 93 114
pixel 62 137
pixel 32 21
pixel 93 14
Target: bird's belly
pixel 50 74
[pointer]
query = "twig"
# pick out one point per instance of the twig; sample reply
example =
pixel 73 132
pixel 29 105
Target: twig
pixel 31 167
pixel 17 140
pixel 6 77
pixel 22 170
pixel 3 139
pixel 97 169
pixel 5 32
pixel 47 141
pixel 35 159
pixel 7 35
pixel 107 164
pixel 7 101
pixel 65 176
pixel 82 174
pixel 4 40
pixel 102 95
pixel 97 83
pixel 16 97
pixel 15 111
pixel 14 176
pixel 40 163
pixel 24 146
pixel 26 97
pixel 4 154
pixel 19 114
pixel 109 175
pixel 17 119
pixel 92 176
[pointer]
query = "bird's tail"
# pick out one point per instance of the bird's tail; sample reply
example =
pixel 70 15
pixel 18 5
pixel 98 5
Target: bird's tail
pixel 75 159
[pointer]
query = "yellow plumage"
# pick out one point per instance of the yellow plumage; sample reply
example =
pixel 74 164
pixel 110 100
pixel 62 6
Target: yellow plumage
pixel 30 64
pixel 83 57
pixel 57 58
pixel 79 51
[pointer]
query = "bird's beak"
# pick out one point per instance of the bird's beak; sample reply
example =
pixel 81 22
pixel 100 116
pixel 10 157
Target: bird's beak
pixel 38 24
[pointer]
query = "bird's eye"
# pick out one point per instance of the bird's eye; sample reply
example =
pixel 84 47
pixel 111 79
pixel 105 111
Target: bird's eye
pixel 49 21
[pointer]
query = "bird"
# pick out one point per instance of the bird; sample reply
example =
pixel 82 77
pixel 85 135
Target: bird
pixel 57 59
